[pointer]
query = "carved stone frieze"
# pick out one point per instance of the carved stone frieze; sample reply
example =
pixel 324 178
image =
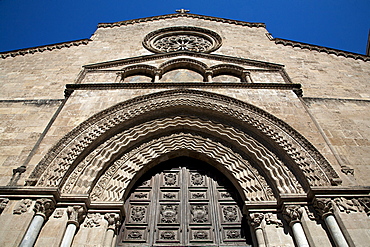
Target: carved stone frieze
pixel 44 207
pixel 76 215
pixel 3 203
pixel 348 205
pixel 310 161
pixel 292 213
pixel 271 219
pixel 93 220
pixel 324 206
pixel 22 206
pixel 256 219
pixel 365 202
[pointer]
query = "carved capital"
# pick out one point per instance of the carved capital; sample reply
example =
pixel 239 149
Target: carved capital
pixel 44 207
pixel 3 203
pixel 76 215
pixel 113 220
pixel 292 213
pixel 324 207
pixel 256 220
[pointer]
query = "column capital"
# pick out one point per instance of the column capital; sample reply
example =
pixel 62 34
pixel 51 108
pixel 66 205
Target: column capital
pixel 292 213
pixel 323 207
pixel 44 207
pixel 113 220
pixel 256 220
pixel 76 215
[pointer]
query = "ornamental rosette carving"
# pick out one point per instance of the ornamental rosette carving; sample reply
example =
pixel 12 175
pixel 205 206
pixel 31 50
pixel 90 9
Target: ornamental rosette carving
pixel 183 38
pixel 324 206
pixel 230 213
pixel 199 213
pixel 76 215
pixel 44 207
pixel 292 213
pixel 138 213
pixel 169 213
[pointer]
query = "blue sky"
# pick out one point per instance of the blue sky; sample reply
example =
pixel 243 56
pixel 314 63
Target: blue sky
pixel 339 24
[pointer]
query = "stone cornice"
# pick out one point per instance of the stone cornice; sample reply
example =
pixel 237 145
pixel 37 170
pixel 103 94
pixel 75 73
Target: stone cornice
pixel 43 48
pixel 178 15
pixel 146 58
pixel 318 48
pixel 110 86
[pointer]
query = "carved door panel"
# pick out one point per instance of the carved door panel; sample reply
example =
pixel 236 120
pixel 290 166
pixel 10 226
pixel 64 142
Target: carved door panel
pixel 183 205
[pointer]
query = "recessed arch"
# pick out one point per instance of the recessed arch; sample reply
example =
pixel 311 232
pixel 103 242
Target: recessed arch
pixel 139 69
pixel 61 161
pixel 184 63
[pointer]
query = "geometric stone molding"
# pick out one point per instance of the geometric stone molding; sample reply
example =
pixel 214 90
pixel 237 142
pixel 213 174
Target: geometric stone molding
pixel 81 178
pixel 113 183
pixel 305 157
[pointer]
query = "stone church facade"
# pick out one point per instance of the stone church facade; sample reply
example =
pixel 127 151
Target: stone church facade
pixel 184 130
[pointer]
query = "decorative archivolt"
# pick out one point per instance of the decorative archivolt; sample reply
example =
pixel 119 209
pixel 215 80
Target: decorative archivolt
pixel 112 185
pixel 81 179
pixel 78 143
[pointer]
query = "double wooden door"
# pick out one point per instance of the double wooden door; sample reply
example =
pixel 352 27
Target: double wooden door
pixel 183 203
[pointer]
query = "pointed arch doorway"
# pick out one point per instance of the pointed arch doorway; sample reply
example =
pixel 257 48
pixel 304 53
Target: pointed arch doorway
pixel 184 202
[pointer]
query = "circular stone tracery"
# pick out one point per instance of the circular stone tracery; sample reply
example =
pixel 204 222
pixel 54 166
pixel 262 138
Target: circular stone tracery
pixel 182 39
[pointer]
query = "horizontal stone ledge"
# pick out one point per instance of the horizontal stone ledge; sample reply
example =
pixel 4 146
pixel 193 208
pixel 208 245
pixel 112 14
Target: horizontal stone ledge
pixel 110 86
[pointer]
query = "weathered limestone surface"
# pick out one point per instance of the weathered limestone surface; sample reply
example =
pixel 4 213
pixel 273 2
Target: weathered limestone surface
pixel 13 226
pixel 21 124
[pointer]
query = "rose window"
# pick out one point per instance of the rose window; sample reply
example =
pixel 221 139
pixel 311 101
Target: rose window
pixel 182 39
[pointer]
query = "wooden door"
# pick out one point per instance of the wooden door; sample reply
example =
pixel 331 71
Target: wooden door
pixel 184 202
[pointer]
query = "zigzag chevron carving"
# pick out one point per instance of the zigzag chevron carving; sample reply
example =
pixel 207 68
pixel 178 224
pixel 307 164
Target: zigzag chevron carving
pixel 114 181
pixel 87 170
pixel 67 150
